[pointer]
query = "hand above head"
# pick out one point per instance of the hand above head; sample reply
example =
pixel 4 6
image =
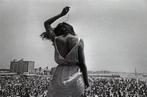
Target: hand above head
pixel 65 10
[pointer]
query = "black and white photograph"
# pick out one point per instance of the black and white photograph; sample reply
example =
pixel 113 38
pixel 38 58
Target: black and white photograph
pixel 73 48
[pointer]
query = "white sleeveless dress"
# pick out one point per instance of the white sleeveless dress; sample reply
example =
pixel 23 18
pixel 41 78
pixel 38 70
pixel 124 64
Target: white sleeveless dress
pixel 67 80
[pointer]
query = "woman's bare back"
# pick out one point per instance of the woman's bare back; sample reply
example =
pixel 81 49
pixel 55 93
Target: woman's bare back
pixel 65 44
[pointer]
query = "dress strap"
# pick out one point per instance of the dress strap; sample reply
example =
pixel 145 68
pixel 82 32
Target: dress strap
pixel 68 52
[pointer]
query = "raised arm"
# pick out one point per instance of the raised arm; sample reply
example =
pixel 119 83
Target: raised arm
pixel 82 63
pixel 49 34
pixel 53 19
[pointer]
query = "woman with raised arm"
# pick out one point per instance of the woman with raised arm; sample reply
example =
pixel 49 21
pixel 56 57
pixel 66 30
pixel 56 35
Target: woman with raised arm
pixel 70 78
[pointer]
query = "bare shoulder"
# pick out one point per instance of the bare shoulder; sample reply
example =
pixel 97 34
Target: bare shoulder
pixel 72 38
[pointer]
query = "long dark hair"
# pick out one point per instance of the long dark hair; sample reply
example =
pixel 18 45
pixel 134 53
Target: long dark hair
pixel 63 29
pixel 60 29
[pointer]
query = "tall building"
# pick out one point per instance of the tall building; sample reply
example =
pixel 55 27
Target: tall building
pixel 22 66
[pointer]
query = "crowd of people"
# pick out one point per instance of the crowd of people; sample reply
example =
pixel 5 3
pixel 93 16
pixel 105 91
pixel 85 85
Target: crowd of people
pixel 36 86
pixel 120 87
pixel 22 86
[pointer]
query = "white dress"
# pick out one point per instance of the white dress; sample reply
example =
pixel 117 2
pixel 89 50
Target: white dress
pixel 67 80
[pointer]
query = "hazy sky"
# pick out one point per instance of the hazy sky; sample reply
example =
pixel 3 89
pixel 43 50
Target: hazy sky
pixel 114 32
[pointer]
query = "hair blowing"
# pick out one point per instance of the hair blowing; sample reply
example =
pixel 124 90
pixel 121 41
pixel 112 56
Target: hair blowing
pixel 60 29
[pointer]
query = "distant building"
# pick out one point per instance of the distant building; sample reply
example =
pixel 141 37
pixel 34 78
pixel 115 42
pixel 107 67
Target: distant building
pixel 22 66
pixel 39 71
pixel 42 71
